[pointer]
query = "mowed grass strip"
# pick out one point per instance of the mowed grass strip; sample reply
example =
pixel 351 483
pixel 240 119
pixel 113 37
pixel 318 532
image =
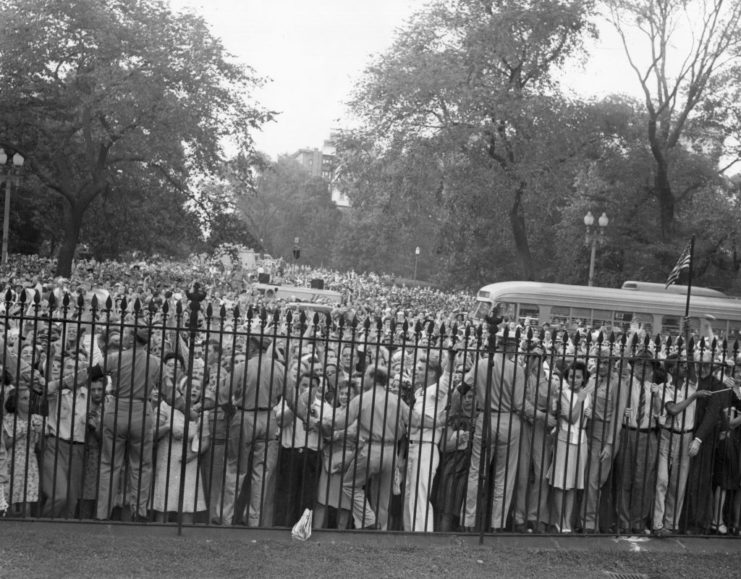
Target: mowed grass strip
pixel 31 551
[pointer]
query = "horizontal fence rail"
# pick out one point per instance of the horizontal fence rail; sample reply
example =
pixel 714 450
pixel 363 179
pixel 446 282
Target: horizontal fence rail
pixel 185 413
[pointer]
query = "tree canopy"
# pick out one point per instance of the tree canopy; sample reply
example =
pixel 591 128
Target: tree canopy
pixel 114 96
pixel 469 143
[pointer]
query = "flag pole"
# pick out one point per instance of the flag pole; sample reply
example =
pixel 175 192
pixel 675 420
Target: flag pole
pixel 689 292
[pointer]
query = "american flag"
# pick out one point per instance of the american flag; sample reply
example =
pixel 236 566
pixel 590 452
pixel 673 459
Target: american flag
pixel 682 263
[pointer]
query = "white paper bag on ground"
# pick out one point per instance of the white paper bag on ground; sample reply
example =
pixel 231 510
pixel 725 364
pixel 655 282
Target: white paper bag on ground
pixel 302 529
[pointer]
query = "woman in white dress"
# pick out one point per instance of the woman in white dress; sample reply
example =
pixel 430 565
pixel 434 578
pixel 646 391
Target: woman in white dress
pixel 170 439
pixel 567 470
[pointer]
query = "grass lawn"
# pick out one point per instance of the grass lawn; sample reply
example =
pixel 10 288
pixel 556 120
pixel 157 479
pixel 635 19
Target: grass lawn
pixel 49 550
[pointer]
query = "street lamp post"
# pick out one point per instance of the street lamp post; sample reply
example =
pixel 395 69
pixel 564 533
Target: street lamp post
pixel 10 174
pixel 416 260
pixel 594 237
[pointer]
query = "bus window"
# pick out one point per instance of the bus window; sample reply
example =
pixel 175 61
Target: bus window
pixel 671 325
pixel 482 310
pixel 734 330
pixel 601 319
pixel 695 328
pixel 581 317
pixel 529 312
pixel 720 329
pixel 508 311
pixel 560 317
pixel 623 320
pixel 642 322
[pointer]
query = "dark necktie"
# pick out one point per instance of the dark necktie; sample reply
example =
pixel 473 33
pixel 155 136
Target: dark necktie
pixel 641 406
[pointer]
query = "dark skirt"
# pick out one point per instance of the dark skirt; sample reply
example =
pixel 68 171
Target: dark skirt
pixel 726 468
pixel 449 488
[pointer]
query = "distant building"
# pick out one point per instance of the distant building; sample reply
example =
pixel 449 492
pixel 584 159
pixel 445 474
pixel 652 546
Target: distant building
pixel 311 160
pixel 324 164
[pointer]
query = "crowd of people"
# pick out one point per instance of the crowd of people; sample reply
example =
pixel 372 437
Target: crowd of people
pixel 392 411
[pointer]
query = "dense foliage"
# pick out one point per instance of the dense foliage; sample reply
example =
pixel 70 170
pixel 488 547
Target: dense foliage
pixel 116 105
pixel 469 146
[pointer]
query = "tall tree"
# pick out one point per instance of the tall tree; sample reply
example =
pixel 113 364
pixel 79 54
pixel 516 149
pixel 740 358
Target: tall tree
pixel 619 180
pixel 92 88
pixel 675 82
pixel 480 72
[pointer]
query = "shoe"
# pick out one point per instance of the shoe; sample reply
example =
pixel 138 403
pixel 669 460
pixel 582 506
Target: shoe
pixel 521 528
pixel 373 527
pixel 639 531
pixel 566 531
pixel 662 533
pixel 586 531
pixel 718 529
pixel 540 529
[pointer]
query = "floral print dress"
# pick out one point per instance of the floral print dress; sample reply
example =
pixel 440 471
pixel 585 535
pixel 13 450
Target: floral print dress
pixel 22 436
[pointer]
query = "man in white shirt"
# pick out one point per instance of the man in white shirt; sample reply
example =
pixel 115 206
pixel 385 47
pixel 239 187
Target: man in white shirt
pixel 64 446
pixel 635 464
pixel 676 435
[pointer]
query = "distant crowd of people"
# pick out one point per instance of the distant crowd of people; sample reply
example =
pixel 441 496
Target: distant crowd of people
pixel 416 420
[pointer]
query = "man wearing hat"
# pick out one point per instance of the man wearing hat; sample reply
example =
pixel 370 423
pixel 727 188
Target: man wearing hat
pixel 635 464
pixel 505 397
pixel 128 427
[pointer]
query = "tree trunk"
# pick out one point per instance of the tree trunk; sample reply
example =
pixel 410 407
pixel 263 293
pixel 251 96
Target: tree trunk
pixel 72 225
pixel 662 187
pixel 663 190
pixel 519 232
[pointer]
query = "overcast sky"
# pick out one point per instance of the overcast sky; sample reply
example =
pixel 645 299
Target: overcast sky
pixel 314 51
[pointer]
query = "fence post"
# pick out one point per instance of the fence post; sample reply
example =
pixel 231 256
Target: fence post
pixel 195 296
pixel 484 460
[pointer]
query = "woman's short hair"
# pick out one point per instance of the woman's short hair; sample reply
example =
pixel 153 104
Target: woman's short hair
pixel 170 355
pixel 576 365
pixel 11 402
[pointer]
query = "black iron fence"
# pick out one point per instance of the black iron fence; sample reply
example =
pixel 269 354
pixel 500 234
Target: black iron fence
pixel 175 412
